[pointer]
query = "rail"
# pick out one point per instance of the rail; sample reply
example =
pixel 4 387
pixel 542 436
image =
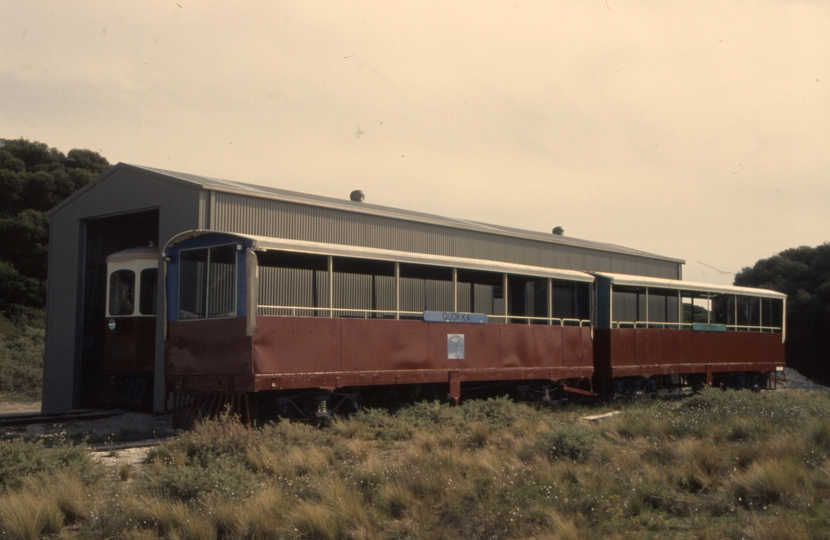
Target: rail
pixel 685 325
pixel 305 311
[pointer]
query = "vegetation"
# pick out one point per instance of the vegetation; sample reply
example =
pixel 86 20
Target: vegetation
pixel 33 179
pixel 804 275
pixel 719 465
pixel 21 356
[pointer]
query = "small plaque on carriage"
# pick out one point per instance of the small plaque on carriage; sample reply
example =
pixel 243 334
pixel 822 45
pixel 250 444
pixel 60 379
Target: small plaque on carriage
pixel 455 317
pixel 707 327
pixel 455 346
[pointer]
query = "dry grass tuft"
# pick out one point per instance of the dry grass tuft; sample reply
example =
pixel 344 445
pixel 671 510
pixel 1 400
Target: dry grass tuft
pixel 760 528
pixel 703 465
pixel 125 471
pixel 767 482
pixel 395 499
pixel 261 516
pixel 348 428
pixel 28 514
pixel 562 527
pixel 262 459
pixel 479 435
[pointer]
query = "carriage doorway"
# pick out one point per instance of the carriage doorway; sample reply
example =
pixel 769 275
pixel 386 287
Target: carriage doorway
pixel 95 388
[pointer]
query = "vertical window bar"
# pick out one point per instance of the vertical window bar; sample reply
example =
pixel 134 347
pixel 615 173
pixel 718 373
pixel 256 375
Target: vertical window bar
pixel 611 304
pixel 330 269
pixel 550 301
pixel 207 286
pixel 455 289
pixel 647 316
pixel 679 311
pixel 506 309
pixel 397 290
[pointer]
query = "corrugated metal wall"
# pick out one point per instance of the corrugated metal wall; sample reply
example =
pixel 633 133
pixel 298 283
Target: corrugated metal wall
pixel 264 217
pixel 120 191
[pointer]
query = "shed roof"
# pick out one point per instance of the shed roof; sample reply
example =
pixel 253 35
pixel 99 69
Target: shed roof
pixel 267 192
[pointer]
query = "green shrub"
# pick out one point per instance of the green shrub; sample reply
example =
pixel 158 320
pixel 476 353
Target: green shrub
pixel 575 442
pixel 21 459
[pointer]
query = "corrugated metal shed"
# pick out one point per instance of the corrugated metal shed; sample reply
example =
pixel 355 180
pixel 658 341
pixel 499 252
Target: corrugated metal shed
pixel 85 229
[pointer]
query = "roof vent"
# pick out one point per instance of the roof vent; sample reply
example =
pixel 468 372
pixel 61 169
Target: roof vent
pixel 558 230
pixel 357 196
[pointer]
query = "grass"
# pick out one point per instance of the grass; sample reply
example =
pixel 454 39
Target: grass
pixel 718 465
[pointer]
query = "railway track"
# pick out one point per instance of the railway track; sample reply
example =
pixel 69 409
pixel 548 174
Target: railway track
pixel 23 419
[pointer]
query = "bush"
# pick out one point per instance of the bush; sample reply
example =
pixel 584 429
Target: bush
pixel 21 459
pixel 575 442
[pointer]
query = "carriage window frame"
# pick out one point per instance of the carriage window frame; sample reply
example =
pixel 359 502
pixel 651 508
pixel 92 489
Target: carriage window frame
pixel 205 303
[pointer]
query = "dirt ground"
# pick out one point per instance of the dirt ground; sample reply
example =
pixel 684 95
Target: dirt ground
pixel 117 441
pixel 20 407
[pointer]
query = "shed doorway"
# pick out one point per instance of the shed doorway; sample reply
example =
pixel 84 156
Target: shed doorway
pixel 96 387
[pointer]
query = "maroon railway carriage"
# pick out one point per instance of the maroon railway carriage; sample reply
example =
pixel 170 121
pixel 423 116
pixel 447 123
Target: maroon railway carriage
pixel 651 331
pixel 295 321
pixel 130 335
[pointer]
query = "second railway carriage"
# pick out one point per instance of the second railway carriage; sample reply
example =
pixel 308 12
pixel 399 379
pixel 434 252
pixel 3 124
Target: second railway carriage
pixel 651 331
pixel 250 314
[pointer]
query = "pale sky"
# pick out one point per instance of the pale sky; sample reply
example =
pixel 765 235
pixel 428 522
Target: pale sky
pixel 697 130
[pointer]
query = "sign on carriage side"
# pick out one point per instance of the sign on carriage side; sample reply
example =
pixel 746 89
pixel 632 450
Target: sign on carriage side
pixel 455 346
pixel 455 317
pixel 708 327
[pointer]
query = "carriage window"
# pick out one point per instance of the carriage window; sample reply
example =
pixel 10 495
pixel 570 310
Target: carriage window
pixel 696 307
pixel 662 306
pixel 289 281
pixel 481 292
pixel 629 304
pixel 771 311
pixel 425 288
pixel 148 291
pixel 723 308
pixel 749 313
pixel 122 292
pixel 207 282
pixel 571 300
pixel 529 297
pixel 222 281
pixel 364 288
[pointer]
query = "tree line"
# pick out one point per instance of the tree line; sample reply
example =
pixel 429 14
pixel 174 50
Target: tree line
pixel 803 274
pixel 33 179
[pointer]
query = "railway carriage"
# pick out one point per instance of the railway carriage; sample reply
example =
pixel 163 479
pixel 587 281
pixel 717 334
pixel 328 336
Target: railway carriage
pixel 294 321
pixel 651 331
pixel 130 335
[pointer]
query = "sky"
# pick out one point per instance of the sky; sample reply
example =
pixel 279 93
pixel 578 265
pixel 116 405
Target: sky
pixel 695 130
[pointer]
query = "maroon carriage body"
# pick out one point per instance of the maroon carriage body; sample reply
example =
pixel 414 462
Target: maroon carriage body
pixel 644 352
pixel 330 353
